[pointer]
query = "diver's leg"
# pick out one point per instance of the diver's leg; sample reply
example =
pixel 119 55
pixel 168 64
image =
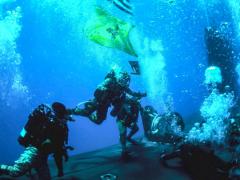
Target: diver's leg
pixel 101 114
pixel 89 108
pixel 122 132
pixel 134 130
pixel 41 167
pixel 59 163
pixel 22 165
pixel 116 109
pixel 88 111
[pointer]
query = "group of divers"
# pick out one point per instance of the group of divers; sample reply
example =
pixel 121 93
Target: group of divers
pixel 46 133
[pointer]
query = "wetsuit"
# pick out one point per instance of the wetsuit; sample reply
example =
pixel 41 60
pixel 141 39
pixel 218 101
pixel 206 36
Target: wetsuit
pixel 110 92
pixel 44 134
pixel 127 118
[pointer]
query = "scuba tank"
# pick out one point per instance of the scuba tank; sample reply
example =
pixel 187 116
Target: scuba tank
pixel 102 95
pixel 35 132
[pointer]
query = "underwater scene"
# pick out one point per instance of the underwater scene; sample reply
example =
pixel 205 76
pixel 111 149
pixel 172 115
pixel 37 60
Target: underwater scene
pixel 120 89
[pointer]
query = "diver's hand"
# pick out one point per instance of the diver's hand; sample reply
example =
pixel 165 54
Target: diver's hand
pixel 70 118
pixel 71 111
pixel 66 157
pixel 70 148
pixel 65 153
pixel 141 95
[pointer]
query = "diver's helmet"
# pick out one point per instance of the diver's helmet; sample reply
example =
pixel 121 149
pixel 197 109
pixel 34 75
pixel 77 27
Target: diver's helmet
pixel 124 79
pixel 59 109
pixel 61 112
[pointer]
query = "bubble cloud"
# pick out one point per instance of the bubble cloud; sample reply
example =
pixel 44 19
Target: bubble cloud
pixel 11 86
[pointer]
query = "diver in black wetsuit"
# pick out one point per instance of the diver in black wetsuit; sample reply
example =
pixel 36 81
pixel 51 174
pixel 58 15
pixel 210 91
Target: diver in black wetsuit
pixel 45 133
pixel 200 161
pixel 127 118
pixel 111 92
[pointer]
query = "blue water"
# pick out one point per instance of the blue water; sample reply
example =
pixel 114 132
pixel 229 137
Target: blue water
pixel 58 63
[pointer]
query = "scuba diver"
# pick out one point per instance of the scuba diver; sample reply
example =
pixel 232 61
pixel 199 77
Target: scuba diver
pixel 200 161
pixel 45 133
pixel 127 118
pixel 111 92
pixel 167 127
